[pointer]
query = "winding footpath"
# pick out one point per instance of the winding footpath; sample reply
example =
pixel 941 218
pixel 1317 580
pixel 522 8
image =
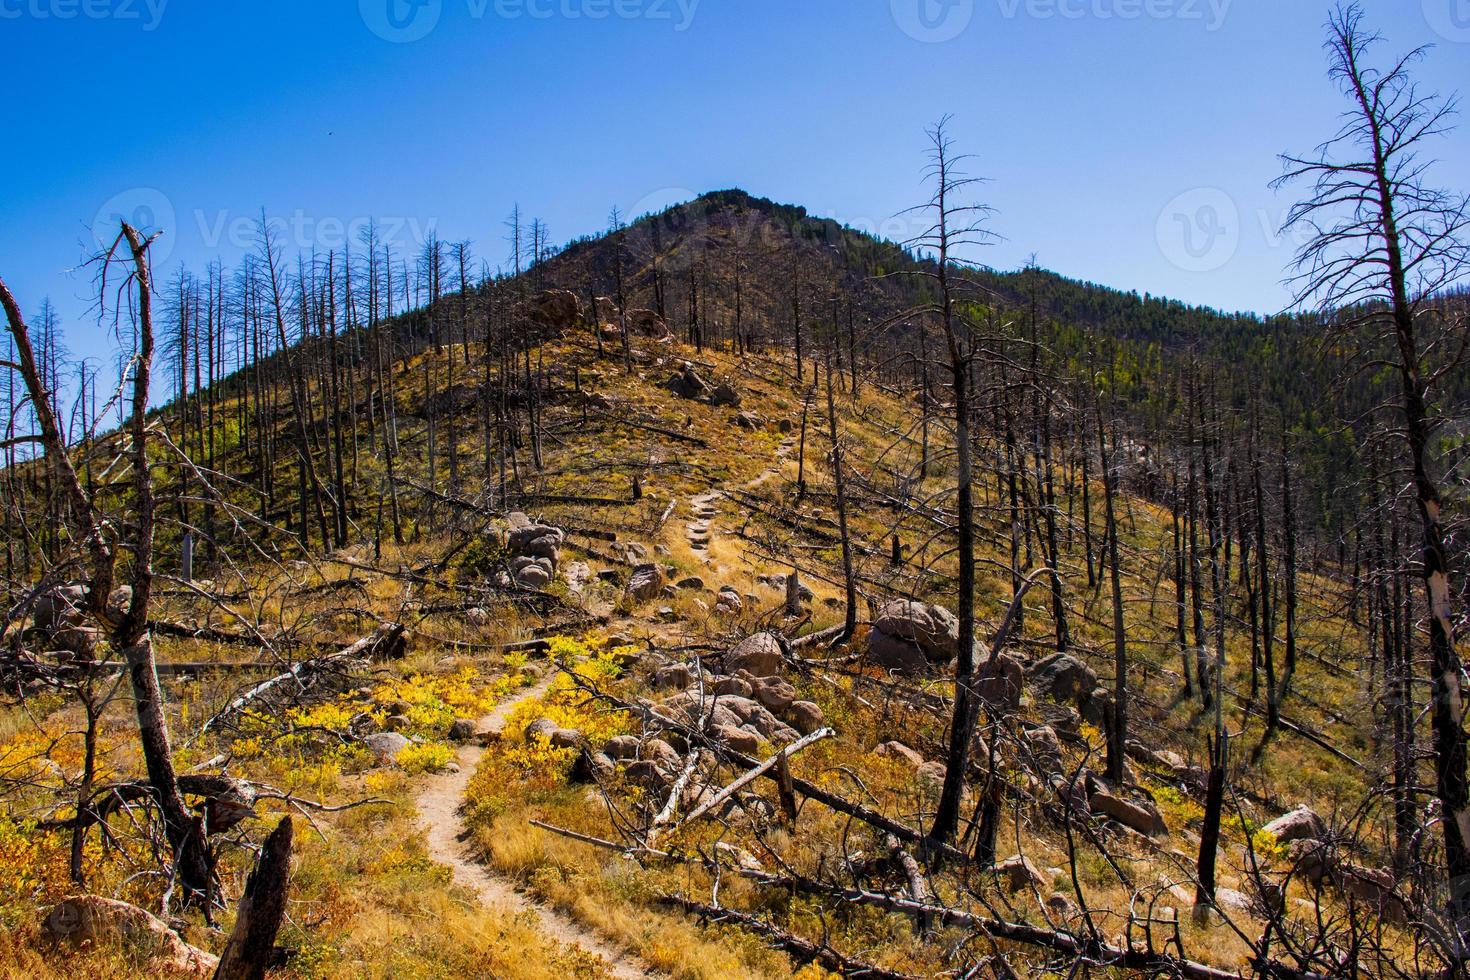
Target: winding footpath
pixel 439 806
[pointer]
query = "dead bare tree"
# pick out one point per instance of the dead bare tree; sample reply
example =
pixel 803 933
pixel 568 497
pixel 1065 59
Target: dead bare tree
pixel 126 615
pixel 1382 242
pixel 953 227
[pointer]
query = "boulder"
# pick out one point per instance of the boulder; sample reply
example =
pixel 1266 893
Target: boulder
pixel 577 574
pixel 1142 817
pixel 649 773
pixel 761 654
pixel 1042 750
pixel 749 421
pixel 1063 677
pixel 386 745
pixel 1374 887
pixel 687 383
pixel 774 694
pixel 60 607
pixel 1060 905
pixel 693 582
pixel 934 629
pixel 621 747
pixel 88 920
pixel 646 582
pixel 657 750
pixel 1313 860
pixel 397 723
pixel 737 687
pixel 728 602
pixel 806 717
pixel 1300 824
pixel 555 310
pixel 894 654
pixel 739 739
pixel 675 676
pixel 1001 683
pixel 541 728
pixel 899 752
pixel 647 323
pixel 933 774
pixel 567 738
pixel 1016 873
pixel 725 396
pixel 534 574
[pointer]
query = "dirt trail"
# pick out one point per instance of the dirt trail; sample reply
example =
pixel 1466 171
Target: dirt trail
pixel 439 815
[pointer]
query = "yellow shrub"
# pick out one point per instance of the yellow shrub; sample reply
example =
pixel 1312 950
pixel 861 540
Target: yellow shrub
pixel 424 757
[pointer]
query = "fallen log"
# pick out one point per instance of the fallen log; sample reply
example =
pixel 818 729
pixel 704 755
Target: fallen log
pixel 784 753
pixel 1144 961
pixel 804 950
pixel 389 636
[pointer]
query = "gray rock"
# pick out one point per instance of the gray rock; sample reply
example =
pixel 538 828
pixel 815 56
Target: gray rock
pixel 386 745
pixel 645 583
pixel 621 747
pixel 892 653
pixel 933 629
pixel 733 687
pixel 725 396
pixel 1300 824
pixel 687 383
pixel 1140 816
pixel 739 739
pixel 675 676
pixel 541 727
pixel 1002 683
pixel 462 730
pixel 1063 677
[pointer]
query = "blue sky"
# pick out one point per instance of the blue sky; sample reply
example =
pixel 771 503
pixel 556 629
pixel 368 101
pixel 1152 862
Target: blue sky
pixel 1129 142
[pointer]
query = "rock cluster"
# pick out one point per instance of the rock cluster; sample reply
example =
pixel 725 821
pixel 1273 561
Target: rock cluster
pixel 535 551
pixel 60 616
pixel 687 383
pixel 741 708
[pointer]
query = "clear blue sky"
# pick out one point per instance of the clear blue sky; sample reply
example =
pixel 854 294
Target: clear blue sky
pixel 1091 117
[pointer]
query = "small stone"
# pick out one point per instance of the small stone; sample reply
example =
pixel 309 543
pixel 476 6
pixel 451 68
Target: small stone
pixel 462 730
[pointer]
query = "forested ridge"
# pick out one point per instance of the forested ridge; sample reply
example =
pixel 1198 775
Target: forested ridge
pixel 737 594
